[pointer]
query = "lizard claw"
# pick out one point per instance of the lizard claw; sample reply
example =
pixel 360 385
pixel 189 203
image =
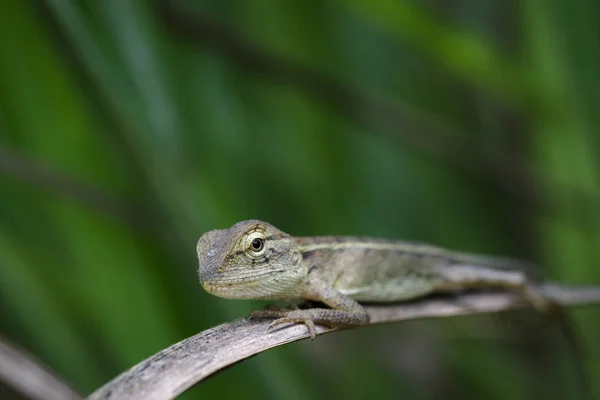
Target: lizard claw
pixel 310 325
pixel 282 316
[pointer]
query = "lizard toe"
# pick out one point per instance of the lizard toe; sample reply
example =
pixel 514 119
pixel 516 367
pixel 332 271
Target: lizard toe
pixel 310 325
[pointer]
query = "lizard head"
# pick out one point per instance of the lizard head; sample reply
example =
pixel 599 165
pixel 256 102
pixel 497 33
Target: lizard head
pixel 250 260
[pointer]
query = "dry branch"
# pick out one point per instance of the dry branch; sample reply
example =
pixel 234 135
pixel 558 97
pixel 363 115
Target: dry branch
pixel 175 369
pixel 30 377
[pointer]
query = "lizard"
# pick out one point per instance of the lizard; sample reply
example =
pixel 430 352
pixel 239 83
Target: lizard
pixel 255 260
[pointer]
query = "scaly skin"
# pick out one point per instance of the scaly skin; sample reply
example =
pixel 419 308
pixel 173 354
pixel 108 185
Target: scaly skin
pixel 255 260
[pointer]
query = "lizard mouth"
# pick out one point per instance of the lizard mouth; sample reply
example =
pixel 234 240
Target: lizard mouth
pixel 213 288
pixel 260 287
pixel 229 290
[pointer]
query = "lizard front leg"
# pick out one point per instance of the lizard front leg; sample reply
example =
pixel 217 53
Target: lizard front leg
pixel 344 312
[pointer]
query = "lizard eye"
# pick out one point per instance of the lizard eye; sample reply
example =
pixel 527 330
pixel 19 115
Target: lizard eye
pixel 257 245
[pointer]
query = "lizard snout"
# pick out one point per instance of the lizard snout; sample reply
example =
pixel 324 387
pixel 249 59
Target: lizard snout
pixel 208 257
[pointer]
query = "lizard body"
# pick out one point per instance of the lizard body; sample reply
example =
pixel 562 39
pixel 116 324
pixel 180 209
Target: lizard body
pixel 254 260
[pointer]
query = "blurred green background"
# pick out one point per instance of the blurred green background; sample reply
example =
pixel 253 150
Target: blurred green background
pixel 129 128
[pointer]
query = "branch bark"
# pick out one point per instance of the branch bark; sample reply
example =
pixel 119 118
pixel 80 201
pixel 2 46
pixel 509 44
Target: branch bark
pixel 173 370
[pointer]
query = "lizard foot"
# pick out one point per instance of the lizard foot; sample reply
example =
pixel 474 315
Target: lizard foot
pixel 312 316
pixel 284 316
pixel 540 302
pixel 310 325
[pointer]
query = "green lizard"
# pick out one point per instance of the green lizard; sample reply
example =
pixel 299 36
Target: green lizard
pixel 254 260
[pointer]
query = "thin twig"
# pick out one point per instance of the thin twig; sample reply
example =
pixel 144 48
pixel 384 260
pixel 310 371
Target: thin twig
pixel 30 377
pixel 175 369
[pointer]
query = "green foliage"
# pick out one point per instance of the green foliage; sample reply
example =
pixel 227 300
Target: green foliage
pixel 125 134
